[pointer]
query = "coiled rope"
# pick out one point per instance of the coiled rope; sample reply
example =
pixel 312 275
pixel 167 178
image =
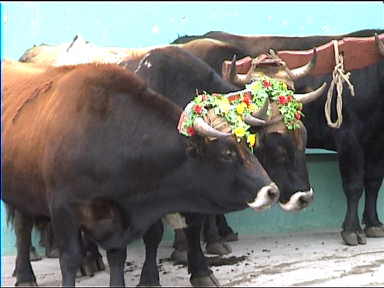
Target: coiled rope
pixel 339 76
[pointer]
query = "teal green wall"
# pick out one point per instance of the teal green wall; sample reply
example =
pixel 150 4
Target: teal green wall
pixel 326 212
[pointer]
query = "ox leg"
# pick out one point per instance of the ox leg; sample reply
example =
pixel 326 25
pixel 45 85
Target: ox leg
pixel 116 259
pixel 179 255
pixel 201 275
pixel 23 270
pixel 152 238
pixel 68 237
pixel 93 261
pixel 225 231
pixel 215 245
pixel 51 250
pixel 351 166
pixel 374 172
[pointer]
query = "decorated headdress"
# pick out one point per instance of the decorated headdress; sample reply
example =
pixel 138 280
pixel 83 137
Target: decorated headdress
pixel 242 109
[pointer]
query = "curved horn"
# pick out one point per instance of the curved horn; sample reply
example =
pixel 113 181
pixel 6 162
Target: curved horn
pixel 380 44
pixel 234 77
pixel 253 121
pixel 204 129
pixel 304 70
pixel 311 96
pixel 233 71
pixel 262 112
pixel 258 118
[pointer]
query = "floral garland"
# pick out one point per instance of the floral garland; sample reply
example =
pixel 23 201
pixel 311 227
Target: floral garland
pixel 234 106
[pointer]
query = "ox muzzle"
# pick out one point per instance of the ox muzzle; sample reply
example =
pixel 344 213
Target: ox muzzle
pixel 266 197
pixel 298 201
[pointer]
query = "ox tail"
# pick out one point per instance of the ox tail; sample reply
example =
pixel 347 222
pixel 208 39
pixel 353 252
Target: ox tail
pixel 10 214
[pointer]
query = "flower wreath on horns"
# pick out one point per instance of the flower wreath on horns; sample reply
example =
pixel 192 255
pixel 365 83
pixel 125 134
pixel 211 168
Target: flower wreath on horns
pixel 234 107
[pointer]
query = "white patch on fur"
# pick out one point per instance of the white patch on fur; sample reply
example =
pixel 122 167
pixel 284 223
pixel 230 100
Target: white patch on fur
pixel 81 51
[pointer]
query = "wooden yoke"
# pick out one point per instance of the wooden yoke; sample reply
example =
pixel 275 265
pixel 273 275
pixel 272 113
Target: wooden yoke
pixel 358 52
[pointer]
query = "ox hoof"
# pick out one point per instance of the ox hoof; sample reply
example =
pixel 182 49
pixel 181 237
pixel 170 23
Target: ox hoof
pixel 374 232
pixel 179 257
pixel 353 238
pixel 231 237
pixel 205 281
pixel 148 285
pixel 88 268
pixel 218 248
pixel 33 256
pixel 27 284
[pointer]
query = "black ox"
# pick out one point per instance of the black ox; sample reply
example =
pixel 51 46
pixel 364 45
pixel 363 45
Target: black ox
pixel 359 140
pixel 93 149
pixel 178 74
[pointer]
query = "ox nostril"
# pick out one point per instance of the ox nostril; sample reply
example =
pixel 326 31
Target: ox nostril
pixel 304 200
pixel 273 192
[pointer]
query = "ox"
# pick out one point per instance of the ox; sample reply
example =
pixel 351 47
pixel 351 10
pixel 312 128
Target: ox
pixel 82 149
pixel 357 141
pixel 80 51
pixel 176 73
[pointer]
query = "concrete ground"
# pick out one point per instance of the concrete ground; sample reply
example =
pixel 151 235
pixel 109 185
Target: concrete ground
pixel 294 259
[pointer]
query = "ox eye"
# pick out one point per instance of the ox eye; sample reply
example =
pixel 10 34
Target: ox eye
pixel 229 154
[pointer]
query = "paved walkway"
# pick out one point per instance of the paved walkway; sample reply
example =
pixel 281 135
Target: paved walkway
pixel 295 259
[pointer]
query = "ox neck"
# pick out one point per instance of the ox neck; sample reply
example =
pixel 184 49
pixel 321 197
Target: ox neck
pixel 143 212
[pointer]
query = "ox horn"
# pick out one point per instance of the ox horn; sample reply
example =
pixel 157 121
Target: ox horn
pixel 234 77
pixel 304 70
pixel 258 118
pixel 311 96
pixel 380 44
pixel 262 112
pixel 204 129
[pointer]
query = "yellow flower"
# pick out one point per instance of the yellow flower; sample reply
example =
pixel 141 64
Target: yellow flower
pixel 239 132
pixel 240 108
pixel 252 107
pixel 224 105
pixel 251 139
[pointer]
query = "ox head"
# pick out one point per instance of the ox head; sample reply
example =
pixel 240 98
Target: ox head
pixel 281 149
pixel 214 150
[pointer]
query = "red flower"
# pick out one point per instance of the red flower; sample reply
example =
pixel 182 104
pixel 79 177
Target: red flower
pixel 266 83
pixel 283 100
pixel 289 98
pixel 198 109
pixel 298 116
pixel 247 98
pixel 233 97
pixel 191 131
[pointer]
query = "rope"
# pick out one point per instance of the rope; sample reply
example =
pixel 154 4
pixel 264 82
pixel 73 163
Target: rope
pixel 339 76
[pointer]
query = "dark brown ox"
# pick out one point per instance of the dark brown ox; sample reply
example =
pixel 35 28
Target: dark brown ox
pixel 177 74
pixel 82 149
